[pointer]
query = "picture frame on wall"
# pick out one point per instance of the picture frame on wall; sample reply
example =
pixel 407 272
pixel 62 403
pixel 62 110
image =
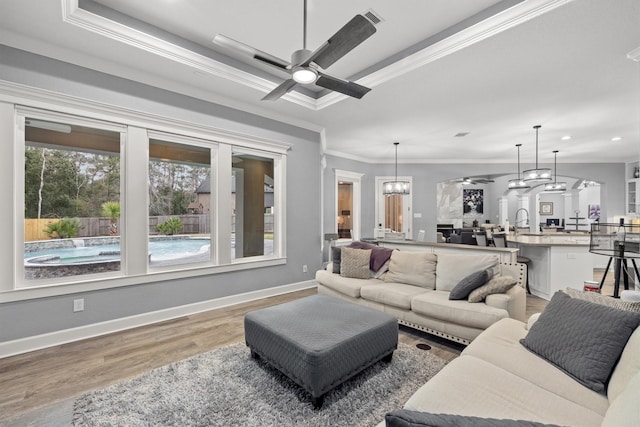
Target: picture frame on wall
pixel 546 208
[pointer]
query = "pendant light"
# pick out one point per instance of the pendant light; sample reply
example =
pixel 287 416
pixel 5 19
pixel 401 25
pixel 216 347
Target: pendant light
pixel 396 187
pixel 537 174
pixel 518 183
pixel 555 186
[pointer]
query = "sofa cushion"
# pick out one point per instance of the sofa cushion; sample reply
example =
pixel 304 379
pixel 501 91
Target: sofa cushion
pixel 497 285
pixel 470 283
pixel 437 305
pixel 379 255
pixel 473 387
pixel 500 346
pixel 393 294
pixel 406 418
pixel 582 338
pixel 344 285
pixel 412 268
pixel 627 367
pixel 451 268
pixel 603 299
pixel 336 253
pixel 354 263
pixel 624 411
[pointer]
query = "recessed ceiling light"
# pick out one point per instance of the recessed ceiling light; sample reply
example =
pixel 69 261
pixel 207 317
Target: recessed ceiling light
pixel 616 138
pixel 566 137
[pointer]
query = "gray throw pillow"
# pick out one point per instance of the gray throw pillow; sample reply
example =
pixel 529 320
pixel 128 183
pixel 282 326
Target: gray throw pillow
pixel 355 263
pixel 469 283
pixel 583 339
pixel 406 418
pixel 497 285
pixel 335 259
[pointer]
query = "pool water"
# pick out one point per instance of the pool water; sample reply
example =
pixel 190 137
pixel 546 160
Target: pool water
pixel 157 248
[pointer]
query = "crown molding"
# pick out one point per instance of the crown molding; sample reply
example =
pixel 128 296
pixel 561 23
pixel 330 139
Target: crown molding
pixel 509 18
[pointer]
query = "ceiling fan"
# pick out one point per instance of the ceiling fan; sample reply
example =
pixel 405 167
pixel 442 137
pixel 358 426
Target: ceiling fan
pixel 307 67
pixel 474 181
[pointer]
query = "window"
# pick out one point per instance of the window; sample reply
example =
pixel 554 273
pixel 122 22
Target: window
pixel 101 203
pixel 179 203
pixel 71 198
pixel 348 204
pixel 253 206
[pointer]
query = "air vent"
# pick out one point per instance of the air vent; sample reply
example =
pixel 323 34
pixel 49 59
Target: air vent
pixel 461 134
pixel 373 16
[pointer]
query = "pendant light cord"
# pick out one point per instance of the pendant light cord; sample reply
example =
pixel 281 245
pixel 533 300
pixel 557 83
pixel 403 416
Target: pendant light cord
pixel 396 144
pixel 304 26
pixel 536 127
pixel 555 167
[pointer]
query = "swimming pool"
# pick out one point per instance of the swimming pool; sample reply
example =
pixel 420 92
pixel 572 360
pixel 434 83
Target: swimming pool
pixel 70 257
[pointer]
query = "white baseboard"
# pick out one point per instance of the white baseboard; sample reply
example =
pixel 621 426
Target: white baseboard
pixel 38 342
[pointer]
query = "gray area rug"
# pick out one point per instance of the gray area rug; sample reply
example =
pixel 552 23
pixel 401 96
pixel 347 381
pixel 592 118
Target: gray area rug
pixel 225 387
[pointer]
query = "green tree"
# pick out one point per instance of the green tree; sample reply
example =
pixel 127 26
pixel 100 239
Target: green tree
pixel 112 211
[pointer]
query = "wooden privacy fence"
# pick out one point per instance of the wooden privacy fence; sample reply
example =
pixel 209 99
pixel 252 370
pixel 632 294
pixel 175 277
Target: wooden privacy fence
pixel 96 226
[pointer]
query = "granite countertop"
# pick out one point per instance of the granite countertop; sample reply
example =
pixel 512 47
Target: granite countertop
pixel 550 239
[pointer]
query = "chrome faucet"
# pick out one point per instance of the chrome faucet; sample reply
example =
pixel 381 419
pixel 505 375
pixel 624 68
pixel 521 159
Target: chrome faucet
pixel 515 228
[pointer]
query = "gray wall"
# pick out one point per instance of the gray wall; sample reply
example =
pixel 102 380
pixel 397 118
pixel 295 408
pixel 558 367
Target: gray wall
pixel 426 176
pixel 28 318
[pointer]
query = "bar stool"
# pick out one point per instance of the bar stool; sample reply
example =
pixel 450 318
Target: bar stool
pixel 500 241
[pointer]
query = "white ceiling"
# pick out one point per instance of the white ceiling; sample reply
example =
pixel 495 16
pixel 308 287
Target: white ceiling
pixel 436 68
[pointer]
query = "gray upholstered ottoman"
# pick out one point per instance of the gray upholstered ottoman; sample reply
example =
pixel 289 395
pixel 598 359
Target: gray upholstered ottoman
pixel 319 341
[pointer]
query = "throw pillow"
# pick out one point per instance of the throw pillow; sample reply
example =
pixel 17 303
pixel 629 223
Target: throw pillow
pixel 497 285
pixel 469 283
pixel 581 338
pixel 412 268
pixel 407 418
pixel 355 263
pixel 336 253
pixel 451 268
pixel 603 299
pixel 378 255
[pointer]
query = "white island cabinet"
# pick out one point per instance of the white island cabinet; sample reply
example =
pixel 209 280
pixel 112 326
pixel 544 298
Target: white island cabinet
pixel 558 261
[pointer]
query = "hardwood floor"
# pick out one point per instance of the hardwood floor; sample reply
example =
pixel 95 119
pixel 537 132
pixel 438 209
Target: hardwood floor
pixel 41 378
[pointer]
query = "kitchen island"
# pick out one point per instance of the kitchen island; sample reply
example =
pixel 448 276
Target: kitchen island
pixel 558 260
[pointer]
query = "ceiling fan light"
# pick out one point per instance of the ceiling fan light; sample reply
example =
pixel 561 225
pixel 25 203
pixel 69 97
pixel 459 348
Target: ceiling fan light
pixel 304 75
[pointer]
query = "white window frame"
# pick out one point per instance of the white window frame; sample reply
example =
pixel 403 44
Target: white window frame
pixel 356 179
pixel 35 101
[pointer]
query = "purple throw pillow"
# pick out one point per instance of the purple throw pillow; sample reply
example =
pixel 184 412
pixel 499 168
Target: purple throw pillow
pixel 378 255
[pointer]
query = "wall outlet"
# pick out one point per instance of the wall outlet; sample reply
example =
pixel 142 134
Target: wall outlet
pixel 78 305
pixel 305 269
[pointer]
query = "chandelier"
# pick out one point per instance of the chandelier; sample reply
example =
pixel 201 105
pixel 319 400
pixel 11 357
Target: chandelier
pixel 537 174
pixel 396 187
pixel 518 183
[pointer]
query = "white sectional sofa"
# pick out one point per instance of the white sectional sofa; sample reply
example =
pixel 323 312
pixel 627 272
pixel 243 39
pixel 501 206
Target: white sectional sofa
pixel 497 381
pixel 416 290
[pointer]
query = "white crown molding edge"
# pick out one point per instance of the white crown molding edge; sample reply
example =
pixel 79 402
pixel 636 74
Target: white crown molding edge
pixel 38 342
pixel 509 18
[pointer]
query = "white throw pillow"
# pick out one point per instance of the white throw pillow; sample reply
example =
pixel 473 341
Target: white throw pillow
pixel 452 268
pixel 412 268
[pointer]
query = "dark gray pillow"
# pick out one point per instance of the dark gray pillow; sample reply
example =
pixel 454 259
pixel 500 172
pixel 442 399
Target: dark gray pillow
pixel 406 418
pixel 336 254
pixel 469 283
pixel 582 338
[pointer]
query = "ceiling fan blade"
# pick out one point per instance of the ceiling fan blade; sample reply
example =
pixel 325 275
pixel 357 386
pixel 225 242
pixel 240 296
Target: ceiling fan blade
pixel 343 86
pixel 282 89
pixel 346 39
pixel 232 44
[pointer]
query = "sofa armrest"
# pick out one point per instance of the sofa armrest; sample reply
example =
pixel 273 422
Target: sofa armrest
pixel 514 301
